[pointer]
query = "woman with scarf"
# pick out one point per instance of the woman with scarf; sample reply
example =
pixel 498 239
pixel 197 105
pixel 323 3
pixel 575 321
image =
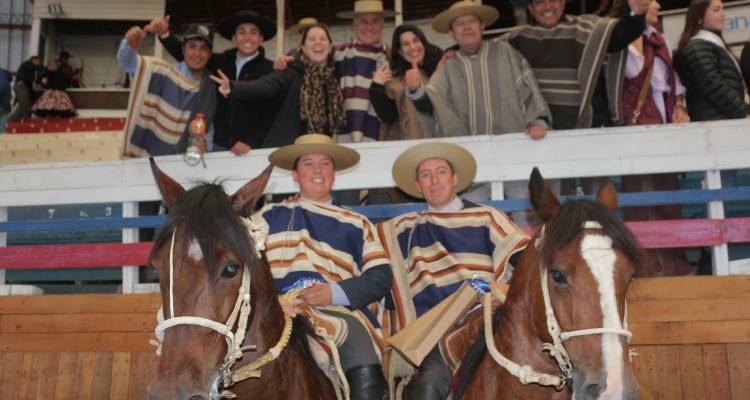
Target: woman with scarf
pixel 414 60
pixel 710 72
pixel 312 100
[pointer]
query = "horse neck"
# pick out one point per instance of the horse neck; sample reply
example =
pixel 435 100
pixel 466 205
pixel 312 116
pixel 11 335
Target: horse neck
pixel 267 319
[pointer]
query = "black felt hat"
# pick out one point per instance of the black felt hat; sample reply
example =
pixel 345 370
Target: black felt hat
pixel 228 25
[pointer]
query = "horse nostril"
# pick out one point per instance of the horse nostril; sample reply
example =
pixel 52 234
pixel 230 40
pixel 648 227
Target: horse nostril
pixel 592 391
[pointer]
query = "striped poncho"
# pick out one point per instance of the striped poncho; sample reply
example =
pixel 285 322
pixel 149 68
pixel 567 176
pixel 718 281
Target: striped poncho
pixel 432 254
pixel 355 64
pixel 310 240
pixel 159 108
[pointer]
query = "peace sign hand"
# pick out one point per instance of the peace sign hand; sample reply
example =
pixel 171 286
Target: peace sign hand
pixel 223 81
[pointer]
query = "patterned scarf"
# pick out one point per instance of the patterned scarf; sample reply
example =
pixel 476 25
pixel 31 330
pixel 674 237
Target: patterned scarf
pixel 321 102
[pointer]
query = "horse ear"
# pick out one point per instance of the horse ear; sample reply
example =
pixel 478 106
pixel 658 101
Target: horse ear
pixel 545 203
pixel 169 188
pixel 607 196
pixel 243 201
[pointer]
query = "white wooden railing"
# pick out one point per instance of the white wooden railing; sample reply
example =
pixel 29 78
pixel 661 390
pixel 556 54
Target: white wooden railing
pixel 707 147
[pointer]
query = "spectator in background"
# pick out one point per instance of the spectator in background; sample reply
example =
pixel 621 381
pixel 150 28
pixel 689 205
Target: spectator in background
pixel 54 101
pixel 29 73
pixel 652 94
pixel 356 62
pixel 487 88
pixel 312 100
pixel 710 72
pixel 240 125
pixel 176 94
pixel 5 78
pixel 413 60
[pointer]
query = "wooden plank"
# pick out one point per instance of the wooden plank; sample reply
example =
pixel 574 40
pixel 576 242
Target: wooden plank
pixel 80 304
pixel 102 375
pixel 71 323
pixel 738 359
pixel 646 375
pixel 76 341
pixel 707 309
pixel 690 332
pixel 65 385
pixel 120 382
pixel 48 370
pixel 716 374
pixel 689 287
pixel 75 255
pixel 667 365
pixel 140 374
pixel 27 384
pixel 11 378
pixel 85 374
pixel 691 371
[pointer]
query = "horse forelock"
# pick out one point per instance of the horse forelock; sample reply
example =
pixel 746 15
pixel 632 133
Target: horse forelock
pixel 210 220
pixel 569 224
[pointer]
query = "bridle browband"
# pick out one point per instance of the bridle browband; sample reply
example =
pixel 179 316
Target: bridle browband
pixel 527 374
pixel 239 315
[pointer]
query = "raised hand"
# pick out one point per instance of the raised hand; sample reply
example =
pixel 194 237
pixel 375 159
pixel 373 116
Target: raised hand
pixel 159 26
pixel 413 77
pixel 382 75
pixel 281 62
pixel 639 7
pixel 223 81
pixel 135 36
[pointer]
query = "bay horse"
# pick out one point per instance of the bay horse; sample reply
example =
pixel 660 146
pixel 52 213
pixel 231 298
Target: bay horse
pixel 562 331
pixel 220 304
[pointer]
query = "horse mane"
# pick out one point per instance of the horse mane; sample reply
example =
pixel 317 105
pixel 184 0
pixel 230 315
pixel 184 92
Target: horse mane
pixel 473 357
pixel 568 224
pixel 211 220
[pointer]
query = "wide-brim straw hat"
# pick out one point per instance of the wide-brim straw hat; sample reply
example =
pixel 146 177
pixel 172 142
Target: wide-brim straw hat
pixel 229 25
pixel 405 167
pixel 366 7
pixel 343 157
pixel 442 22
pixel 302 24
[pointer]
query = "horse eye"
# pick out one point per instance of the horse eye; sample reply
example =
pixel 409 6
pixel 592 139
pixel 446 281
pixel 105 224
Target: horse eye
pixel 558 276
pixel 230 270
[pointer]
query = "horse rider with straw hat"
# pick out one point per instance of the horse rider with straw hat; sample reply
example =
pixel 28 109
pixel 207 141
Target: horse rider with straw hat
pixel 333 254
pixel 452 241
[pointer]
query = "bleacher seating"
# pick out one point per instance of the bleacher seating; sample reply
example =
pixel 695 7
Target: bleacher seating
pixel 58 125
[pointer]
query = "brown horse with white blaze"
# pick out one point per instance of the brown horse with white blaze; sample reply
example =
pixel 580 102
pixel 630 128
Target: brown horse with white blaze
pixel 562 332
pixel 223 329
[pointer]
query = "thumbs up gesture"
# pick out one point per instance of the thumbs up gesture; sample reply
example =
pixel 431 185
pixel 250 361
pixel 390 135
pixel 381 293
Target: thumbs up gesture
pixel 413 77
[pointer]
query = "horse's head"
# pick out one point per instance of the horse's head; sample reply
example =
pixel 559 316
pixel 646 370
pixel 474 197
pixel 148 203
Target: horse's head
pixel 205 257
pixel 585 257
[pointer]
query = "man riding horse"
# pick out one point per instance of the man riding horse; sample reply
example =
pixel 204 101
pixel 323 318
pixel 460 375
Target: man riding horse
pixel 436 250
pixel 333 254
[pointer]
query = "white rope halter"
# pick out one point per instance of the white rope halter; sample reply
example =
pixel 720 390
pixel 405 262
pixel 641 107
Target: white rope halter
pixel 526 374
pixel 240 312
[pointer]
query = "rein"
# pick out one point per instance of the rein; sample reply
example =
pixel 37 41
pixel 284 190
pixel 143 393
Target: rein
pixel 239 315
pixel 527 374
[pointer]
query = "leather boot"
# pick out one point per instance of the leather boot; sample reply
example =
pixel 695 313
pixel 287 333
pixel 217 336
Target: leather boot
pixel 418 390
pixel 367 383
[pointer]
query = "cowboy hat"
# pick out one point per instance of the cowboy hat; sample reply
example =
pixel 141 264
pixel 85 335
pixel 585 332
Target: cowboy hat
pixel 343 157
pixel 366 7
pixel 405 167
pixel 228 25
pixel 302 24
pixel 442 22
